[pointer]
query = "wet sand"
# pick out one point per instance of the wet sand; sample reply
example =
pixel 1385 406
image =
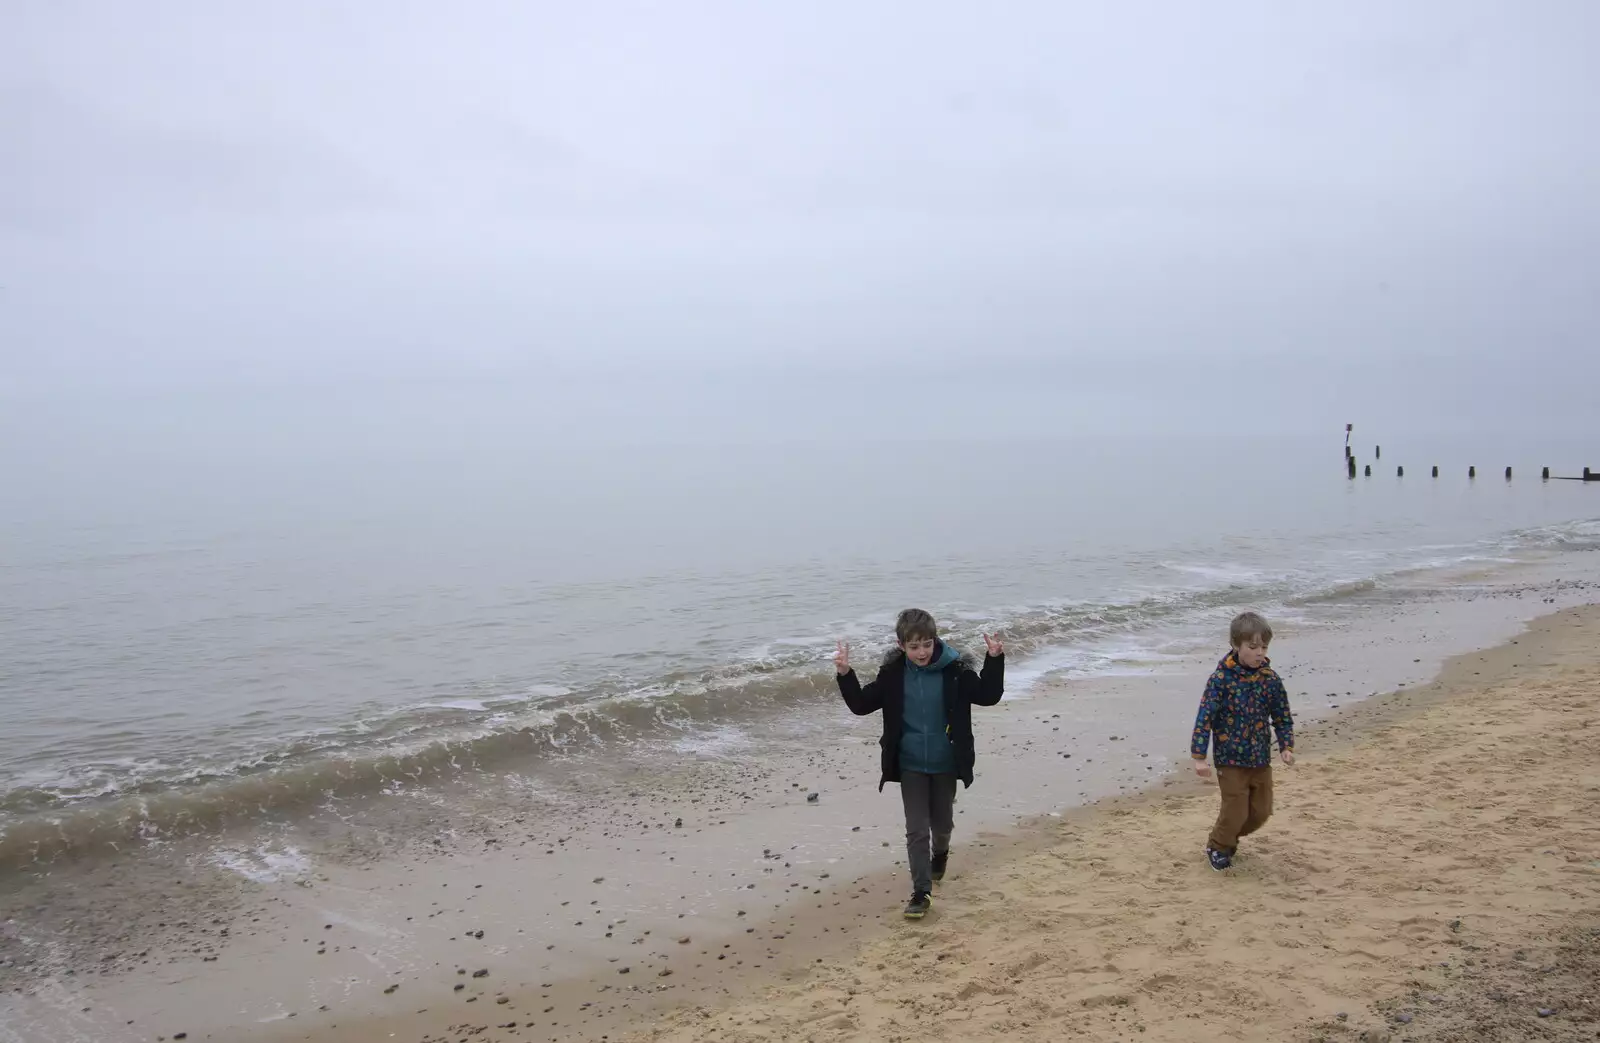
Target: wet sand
pixel 602 901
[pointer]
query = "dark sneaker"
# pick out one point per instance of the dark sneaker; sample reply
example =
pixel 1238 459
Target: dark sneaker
pixel 940 860
pixel 1220 860
pixel 917 908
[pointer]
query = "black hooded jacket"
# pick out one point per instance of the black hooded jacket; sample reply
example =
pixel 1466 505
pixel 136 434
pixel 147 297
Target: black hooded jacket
pixel 964 688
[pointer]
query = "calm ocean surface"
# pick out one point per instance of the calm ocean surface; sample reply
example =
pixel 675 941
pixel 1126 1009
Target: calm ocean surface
pixel 175 630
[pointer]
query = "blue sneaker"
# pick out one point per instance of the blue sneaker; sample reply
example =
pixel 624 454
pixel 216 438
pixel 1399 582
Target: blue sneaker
pixel 1220 860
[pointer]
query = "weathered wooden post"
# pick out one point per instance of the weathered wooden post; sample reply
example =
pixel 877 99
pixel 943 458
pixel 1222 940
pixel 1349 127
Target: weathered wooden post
pixel 1508 474
pixel 1351 461
pixel 1545 474
pixel 1587 476
pixel 1472 472
pixel 1369 470
pixel 1377 452
pixel 1400 472
pixel 1436 470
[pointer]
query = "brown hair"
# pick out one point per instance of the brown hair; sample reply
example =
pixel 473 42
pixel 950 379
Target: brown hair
pixel 1248 625
pixel 915 625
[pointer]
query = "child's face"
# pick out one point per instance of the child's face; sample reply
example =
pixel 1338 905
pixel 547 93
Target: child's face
pixel 1252 653
pixel 919 649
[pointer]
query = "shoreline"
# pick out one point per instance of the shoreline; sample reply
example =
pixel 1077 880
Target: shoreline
pixel 637 879
pixel 1473 912
pixel 824 997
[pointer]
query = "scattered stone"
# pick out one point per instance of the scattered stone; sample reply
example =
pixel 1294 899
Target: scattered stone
pixel 624 970
pixel 481 974
pixel 503 1000
pixel 1546 1012
pixel 1404 1019
pixel 460 986
pixel 678 824
pixel 390 989
pixel 812 798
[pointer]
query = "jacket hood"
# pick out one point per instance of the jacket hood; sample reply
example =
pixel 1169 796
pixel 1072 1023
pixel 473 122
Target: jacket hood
pixel 943 656
pixel 1230 663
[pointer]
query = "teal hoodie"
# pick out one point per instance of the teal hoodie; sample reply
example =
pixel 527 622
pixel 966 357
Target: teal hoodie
pixel 924 741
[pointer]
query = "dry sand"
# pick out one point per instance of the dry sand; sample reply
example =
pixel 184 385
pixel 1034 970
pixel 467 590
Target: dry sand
pixel 1432 873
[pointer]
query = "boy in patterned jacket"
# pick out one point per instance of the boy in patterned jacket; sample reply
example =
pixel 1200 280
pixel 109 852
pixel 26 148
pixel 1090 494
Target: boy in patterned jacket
pixel 1242 698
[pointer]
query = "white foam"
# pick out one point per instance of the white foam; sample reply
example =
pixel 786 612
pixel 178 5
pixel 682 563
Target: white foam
pixel 1225 574
pixel 263 865
pixel 720 742
pixel 473 705
pixel 1105 660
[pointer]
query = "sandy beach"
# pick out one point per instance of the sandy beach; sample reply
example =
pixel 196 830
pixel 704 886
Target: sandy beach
pixel 1432 873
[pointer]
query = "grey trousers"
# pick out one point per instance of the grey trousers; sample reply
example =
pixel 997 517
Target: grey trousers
pixel 930 819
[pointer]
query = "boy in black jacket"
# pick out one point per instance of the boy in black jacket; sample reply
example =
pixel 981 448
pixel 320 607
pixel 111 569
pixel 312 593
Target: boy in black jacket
pixel 926 690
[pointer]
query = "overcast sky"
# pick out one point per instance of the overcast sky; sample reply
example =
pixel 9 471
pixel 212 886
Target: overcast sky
pixel 1079 216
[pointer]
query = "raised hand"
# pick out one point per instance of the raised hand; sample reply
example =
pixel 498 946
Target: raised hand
pixel 841 658
pixel 996 646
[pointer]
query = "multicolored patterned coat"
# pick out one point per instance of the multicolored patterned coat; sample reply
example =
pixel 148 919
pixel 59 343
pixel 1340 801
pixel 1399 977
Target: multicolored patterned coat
pixel 1237 708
